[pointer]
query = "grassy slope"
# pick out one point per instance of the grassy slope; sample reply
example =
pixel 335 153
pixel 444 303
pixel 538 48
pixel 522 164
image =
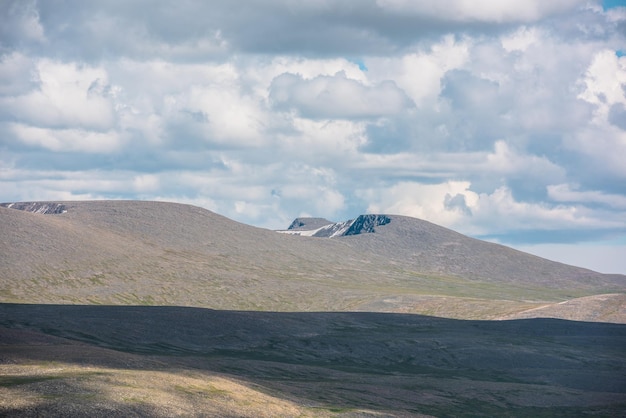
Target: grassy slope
pixel 165 361
pixel 167 254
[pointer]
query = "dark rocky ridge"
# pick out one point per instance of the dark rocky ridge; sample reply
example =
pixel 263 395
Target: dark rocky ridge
pixel 367 224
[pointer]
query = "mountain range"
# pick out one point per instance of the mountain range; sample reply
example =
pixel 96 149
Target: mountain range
pixel 131 252
pixel 155 308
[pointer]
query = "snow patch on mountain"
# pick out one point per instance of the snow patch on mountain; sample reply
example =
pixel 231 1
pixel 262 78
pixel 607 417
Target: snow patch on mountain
pixel 319 227
pixel 44 208
pixel 308 224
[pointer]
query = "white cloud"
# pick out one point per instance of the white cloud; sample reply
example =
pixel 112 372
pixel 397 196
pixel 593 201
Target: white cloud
pixel 329 139
pixel 602 148
pixel 425 201
pixel 565 193
pixel 146 183
pixel 500 211
pixel 506 162
pixel 35 184
pixel 419 73
pixel 605 83
pixel 317 185
pixel 493 118
pixel 69 95
pixel 231 118
pixel 260 74
pixel 75 140
pixel 169 102
pixel 455 205
pixel 502 163
pixel 521 39
pixel 336 97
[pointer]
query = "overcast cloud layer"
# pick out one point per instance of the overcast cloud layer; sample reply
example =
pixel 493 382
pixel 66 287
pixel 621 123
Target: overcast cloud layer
pixel 504 120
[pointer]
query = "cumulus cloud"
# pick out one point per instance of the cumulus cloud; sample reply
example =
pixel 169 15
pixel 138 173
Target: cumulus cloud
pixel 444 203
pixel 500 119
pixel 456 205
pixel 512 215
pixel 336 97
pixel 521 39
pixel 567 193
pixel 506 162
pixel 67 95
pixel 76 140
pixel 419 73
pixel 605 83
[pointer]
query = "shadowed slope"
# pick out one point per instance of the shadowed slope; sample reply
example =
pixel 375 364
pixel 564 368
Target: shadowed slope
pixel 395 364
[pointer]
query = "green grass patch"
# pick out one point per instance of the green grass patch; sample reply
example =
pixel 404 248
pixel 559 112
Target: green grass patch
pixel 200 390
pixel 134 399
pixel 10 381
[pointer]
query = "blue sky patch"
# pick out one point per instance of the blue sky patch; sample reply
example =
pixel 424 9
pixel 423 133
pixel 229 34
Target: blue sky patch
pixel 609 4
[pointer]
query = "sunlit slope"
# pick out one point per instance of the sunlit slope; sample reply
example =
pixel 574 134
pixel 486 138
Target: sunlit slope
pixel 154 253
pixel 427 247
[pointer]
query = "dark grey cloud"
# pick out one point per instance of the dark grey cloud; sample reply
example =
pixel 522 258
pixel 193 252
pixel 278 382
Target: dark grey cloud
pixel 457 202
pixel 617 115
pixel 196 30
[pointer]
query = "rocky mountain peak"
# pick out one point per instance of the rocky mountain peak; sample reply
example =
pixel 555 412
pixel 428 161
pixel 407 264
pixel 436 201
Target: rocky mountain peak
pixel 320 227
pixel 307 224
pixel 367 224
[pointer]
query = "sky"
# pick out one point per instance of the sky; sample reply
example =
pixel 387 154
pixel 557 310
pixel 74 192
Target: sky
pixel 504 120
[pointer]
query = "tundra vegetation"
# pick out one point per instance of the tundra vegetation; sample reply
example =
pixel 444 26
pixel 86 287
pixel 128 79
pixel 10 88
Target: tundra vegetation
pixel 124 308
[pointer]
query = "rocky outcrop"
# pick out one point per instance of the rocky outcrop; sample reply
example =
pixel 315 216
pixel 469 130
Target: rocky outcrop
pixel 367 224
pixel 45 208
pixel 307 224
pixel 323 228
